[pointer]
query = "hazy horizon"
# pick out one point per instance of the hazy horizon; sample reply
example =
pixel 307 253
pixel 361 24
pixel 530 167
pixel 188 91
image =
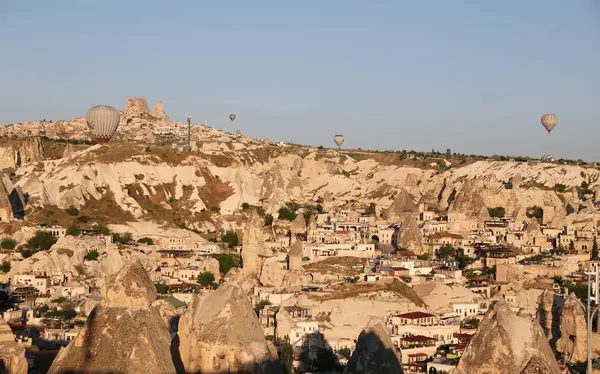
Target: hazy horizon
pixel 471 76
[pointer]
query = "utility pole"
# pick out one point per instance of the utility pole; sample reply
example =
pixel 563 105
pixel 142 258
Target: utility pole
pixel 591 310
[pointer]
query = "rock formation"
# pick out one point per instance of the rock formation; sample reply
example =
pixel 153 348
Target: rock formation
pixel 470 202
pixel 252 245
pixel 236 277
pixel 6 212
pixel 21 153
pixel 294 257
pixel 409 235
pixel 549 312
pixel 223 335
pixel 123 334
pixel 374 353
pixel 507 343
pixel 12 355
pixel 159 111
pixel 136 106
pixel 298 226
pixel 284 324
pixel 402 204
pixel 573 331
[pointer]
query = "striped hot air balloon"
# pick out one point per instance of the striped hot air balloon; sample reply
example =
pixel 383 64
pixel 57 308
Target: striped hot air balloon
pixel 338 140
pixel 103 121
pixel 549 120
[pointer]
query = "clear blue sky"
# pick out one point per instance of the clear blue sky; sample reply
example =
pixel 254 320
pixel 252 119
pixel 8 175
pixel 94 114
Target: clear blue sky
pixel 474 76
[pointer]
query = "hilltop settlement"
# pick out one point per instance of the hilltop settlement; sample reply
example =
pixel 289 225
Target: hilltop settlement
pixel 231 254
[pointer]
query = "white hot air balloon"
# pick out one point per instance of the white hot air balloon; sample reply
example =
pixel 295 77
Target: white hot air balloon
pixel 103 121
pixel 549 120
pixel 338 140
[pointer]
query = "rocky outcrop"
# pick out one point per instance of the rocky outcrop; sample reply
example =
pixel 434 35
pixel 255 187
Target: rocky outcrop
pixel 507 343
pixel 159 111
pixel 548 314
pixel 223 335
pixel 253 245
pixel 375 353
pixel 123 334
pixel 402 204
pixel 12 355
pixel 236 277
pixel 272 272
pixel 284 324
pixel 298 226
pixel 21 153
pixel 573 331
pixel 469 201
pixel 136 106
pixel 409 235
pixel 293 281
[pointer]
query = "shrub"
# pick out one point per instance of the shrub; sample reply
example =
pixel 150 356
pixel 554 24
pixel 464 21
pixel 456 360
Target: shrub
pixel 72 211
pixel 91 256
pixel 559 187
pixel 5 267
pixel 245 206
pixel 122 238
pixel 497 212
pixel 206 278
pixel 26 253
pixel 535 212
pixel 42 240
pixel 161 288
pixel 102 229
pixel 83 219
pixel 73 230
pixel 146 240
pixel 288 211
pixel 269 220
pixel 261 305
pixel 231 238
pixel 8 243
pixel 227 261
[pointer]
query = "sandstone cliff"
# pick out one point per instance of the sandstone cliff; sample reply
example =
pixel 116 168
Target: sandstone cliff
pixel 223 335
pixel 123 334
pixel 573 331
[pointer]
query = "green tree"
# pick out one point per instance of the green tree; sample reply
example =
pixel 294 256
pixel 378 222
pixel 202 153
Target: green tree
pixel 269 220
pixel 447 251
pixel 286 357
pixel 261 305
pixel 497 212
pixel 594 250
pixel 560 187
pixel 372 209
pixel 245 206
pixel 8 243
pixel 101 229
pixel 226 261
pixel 125 238
pixel 206 278
pixel 231 238
pixel 285 213
pixel 5 267
pixel 42 240
pixel 146 240
pixel 161 288
pixel 91 255
pixel 73 230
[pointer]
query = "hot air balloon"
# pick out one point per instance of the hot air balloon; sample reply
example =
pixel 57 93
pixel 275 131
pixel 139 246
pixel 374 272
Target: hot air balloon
pixel 549 120
pixel 232 117
pixel 103 122
pixel 338 140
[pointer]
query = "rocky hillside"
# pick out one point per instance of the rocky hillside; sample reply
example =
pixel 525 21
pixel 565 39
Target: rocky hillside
pixel 138 179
